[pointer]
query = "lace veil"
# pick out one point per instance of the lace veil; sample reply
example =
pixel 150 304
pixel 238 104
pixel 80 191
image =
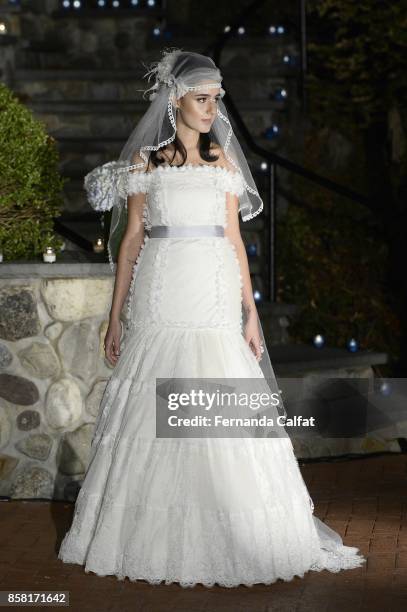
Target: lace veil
pixel 107 186
pixel 175 74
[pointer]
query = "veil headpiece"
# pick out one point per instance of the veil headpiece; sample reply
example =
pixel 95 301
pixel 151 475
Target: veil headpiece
pixel 177 73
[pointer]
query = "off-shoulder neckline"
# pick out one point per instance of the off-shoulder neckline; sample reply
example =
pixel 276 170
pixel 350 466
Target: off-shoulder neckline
pixel 183 168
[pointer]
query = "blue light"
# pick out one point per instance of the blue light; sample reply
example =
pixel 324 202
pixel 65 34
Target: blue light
pixel 385 388
pixel 280 94
pixel 353 345
pixel 276 29
pixel 271 132
pixel 101 3
pixel 251 249
pixel 134 2
pixel 257 296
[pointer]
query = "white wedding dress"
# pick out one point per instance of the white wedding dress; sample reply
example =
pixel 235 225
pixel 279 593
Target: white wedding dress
pixel 211 511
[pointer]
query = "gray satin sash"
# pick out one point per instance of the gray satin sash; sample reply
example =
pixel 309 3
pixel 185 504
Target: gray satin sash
pixel 186 231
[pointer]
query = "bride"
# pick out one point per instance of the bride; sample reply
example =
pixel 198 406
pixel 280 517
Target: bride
pixel 190 509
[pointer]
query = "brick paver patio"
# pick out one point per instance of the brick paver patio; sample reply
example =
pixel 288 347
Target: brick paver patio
pixel 365 500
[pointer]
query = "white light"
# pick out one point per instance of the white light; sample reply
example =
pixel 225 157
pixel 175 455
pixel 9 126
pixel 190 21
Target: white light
pixel 280 29
pixel 286 59
pixel 226 28
pixel 116 3
pixel 76 4
pixel 66 3
pixel 134 2
pixel 241 30
pixel 101 2
pixel 156 31
pixel 272 29
pixel 275 129
pixel 283 93
pixel 257 295
pixel 3 28
pixel 318 341
pixel 151 2
pixel 263 165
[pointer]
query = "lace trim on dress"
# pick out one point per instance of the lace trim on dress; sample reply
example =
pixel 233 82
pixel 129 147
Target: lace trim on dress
pixel 227 179
pixel 157 280
pixel 232 246
pixel 138 182
pixel 133 278
pixel 220 284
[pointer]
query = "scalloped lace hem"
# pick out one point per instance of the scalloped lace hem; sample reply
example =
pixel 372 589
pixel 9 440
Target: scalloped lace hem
pixel 345 558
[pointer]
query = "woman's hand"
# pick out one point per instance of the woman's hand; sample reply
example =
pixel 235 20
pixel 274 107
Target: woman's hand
pixel 112 341
pixel 252 335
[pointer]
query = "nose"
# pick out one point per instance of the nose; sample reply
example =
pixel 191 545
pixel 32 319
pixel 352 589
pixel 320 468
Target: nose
pixel 210 109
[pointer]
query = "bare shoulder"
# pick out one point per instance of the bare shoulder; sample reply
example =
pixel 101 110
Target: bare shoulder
pixel 137 160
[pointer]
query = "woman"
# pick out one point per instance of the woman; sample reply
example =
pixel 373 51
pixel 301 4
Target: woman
pixel 190 509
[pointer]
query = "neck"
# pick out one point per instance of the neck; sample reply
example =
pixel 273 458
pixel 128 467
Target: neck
pixel 188 136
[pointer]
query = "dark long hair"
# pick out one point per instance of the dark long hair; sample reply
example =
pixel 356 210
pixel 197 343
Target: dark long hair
pixel 204 151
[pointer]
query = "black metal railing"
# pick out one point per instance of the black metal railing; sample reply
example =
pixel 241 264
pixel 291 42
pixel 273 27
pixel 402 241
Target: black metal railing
pixel 273 160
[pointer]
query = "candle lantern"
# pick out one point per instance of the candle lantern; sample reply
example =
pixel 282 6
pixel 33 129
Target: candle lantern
pixel 49 255
pixel 99 245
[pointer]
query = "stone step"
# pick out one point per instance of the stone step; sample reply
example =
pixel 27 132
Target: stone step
pixel 134 75
pixel 299 359
pixel 75 49
pixel 80 155
pixel 115 107
pixel 252 46
pixel 89 124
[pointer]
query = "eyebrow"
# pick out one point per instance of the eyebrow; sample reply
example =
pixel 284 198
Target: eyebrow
pixel 204 95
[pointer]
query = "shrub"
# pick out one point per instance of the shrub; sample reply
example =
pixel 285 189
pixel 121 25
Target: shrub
pixel 30 184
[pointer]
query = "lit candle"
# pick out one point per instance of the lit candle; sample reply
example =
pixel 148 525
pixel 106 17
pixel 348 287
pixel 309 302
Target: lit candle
pixel 99 245
pixel 49 255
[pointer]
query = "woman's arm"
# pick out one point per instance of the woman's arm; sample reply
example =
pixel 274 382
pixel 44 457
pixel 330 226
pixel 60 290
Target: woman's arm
pixel 130 246
pixel 232 232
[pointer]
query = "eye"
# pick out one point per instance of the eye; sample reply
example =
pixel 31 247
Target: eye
pixel 216 99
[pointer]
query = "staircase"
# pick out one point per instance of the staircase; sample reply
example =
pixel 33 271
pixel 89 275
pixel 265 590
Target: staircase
pixel 69 70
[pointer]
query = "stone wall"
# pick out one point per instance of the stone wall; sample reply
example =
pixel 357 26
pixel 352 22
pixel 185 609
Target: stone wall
pixel 52 375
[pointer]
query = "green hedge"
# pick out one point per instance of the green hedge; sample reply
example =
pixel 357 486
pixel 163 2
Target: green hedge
pixel 30 183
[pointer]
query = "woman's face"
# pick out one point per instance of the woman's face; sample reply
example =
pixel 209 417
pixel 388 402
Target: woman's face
pixel 198 109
